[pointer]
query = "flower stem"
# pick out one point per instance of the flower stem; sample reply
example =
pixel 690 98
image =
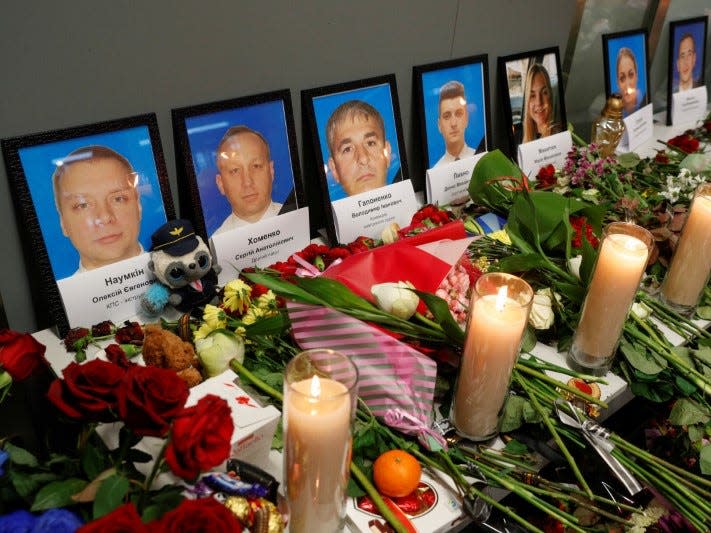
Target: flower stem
pixel 157 464
pixel 383 509
pixel 254 380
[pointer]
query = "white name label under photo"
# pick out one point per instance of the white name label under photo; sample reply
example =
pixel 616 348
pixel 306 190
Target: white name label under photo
pixel 550 150
pixel 111 292
pixel 639 128
pixel 689 106
pixel 261 244
pixel 449 183
pixel 369 212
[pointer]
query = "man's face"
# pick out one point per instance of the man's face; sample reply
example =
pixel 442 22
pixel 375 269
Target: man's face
pixel 99 211
pixel 361 155
pixel 685 60
pixel 245 175
pixel 453 120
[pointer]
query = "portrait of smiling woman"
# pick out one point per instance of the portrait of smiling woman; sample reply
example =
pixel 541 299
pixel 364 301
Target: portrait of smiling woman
pixel 626 69
pixel 538 109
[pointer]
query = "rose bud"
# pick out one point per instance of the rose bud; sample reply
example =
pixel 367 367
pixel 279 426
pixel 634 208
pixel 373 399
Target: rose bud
pixel 396 298
pixel 217 350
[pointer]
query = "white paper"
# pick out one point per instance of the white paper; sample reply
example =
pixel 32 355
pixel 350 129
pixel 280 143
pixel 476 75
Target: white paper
pixel 111 292
pixel 689 106
pixel 261 244
pixel 369 212
pixel 639 128
pixel 449 183
pixel 550 150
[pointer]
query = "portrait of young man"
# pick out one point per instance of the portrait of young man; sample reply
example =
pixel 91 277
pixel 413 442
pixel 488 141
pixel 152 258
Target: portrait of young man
pixel 454 114
pixel 97 198
pixel 238 156
pixel 688 39
pixel 358 140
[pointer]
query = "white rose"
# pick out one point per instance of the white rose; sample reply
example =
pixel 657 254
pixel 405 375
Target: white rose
pixel 217 350
pixel 390 233
pixel 396 298
pixel 574 265
pixel 641 310
pixel 542 315
pixel 591 195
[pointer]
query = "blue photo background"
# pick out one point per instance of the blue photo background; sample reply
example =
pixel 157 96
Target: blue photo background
pixel 472 77
pixel 380 98
pixel 205 133
pixel 696 29
pixel 39 163
pixel 636 43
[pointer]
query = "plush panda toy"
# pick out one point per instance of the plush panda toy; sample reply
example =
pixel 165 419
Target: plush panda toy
pixel 183 266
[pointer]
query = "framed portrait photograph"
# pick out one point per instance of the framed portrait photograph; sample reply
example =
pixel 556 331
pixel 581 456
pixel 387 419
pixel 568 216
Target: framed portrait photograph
pixel 534 106
pixel 453 103
pixel 356 132
pixel 237 161
pixel 687 59
pixel 627 68
pixel 88 200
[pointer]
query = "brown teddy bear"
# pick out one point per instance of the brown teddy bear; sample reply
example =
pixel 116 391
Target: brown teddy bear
pixel 165 349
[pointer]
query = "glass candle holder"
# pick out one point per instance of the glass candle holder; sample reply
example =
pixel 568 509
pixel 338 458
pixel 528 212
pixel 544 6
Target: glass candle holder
pixel 498 313
pixel 689 270
pixel 622 258
pixel 320 394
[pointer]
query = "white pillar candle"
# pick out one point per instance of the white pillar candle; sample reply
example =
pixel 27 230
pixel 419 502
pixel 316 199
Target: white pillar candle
pixel 317 416
pixel 690 266
pixel 496 324
pixel 620 265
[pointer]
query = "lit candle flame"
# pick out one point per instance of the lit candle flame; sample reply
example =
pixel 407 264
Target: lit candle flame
pixel 501 298
pixel 315 387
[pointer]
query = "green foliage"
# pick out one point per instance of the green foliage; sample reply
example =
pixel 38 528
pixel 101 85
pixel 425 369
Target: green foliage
pixel 110 494
pixel 57 494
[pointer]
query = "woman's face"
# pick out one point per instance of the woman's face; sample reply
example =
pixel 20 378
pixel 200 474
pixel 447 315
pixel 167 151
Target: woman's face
pixel 627 81
pixel 539 102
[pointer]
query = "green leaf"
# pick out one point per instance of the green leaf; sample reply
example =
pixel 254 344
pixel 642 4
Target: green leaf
pixel 57 494
pixel 93 461
pixel 26 484
pixel 513 414
pixel 686 387
pixel 516 447
pixel 20 456
pixel 575 293
pixel 440 310
pixel 641 361
pixel 110 495
pixel 282 287
pixel 628 159
pixel 703 354
pixel 704 312
pixel 705 460
pixel 588 263
pixel 529 339
pixel 486 186
pixel 657 392
pixel 521 263
pixel 334 293
pixel 686 412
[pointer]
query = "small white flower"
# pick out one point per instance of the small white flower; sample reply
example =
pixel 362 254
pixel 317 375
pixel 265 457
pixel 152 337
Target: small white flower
pixel 591 195
pixel 217 350
pixel 574 265
pixel 641 310
pixel 396 298
pixel 563 180
pixel 542 315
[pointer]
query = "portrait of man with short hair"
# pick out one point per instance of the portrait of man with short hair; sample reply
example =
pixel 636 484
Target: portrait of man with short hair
pixel 454 114
pixel 687 53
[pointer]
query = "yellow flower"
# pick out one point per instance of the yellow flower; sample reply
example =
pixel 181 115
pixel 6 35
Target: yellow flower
pixel 267 301
pixel 253 314
pixel 237 296
pixel 500 236
pixel 203 331
pixel 214 317
pixel 483 263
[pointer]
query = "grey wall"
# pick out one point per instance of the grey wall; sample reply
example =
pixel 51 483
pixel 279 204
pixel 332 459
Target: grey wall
pixel 78 62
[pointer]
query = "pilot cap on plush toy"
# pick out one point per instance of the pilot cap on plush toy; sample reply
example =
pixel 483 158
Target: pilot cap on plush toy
pixel 176 238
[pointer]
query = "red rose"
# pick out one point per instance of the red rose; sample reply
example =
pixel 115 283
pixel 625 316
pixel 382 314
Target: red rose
pixel 361 244
pixel 201 437
pixel 684 142
pixel 196 516
pixel 88 391
pixel 123 519
pixel 20 354
pixel 129 333
pixel 661 157
pixel 149 398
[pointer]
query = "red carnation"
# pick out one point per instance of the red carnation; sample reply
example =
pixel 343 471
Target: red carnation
pixel 661 157
pixel 129 333
pixel 75 339
pixel 684 142
pixel 201 437
pixel 102 329
pixel 149 398
pixel 88 391
pixel 582 229
pixel 116 355
pixel 546 177
pixel 335 253
pixel 20 354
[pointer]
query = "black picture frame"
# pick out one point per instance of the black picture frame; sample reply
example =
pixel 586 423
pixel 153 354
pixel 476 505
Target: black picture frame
pixel 618 44
pixel 317 104
pixel 427 82
pixel 196 139
pixel 695 28
pixel 513 71
pixel 26 155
